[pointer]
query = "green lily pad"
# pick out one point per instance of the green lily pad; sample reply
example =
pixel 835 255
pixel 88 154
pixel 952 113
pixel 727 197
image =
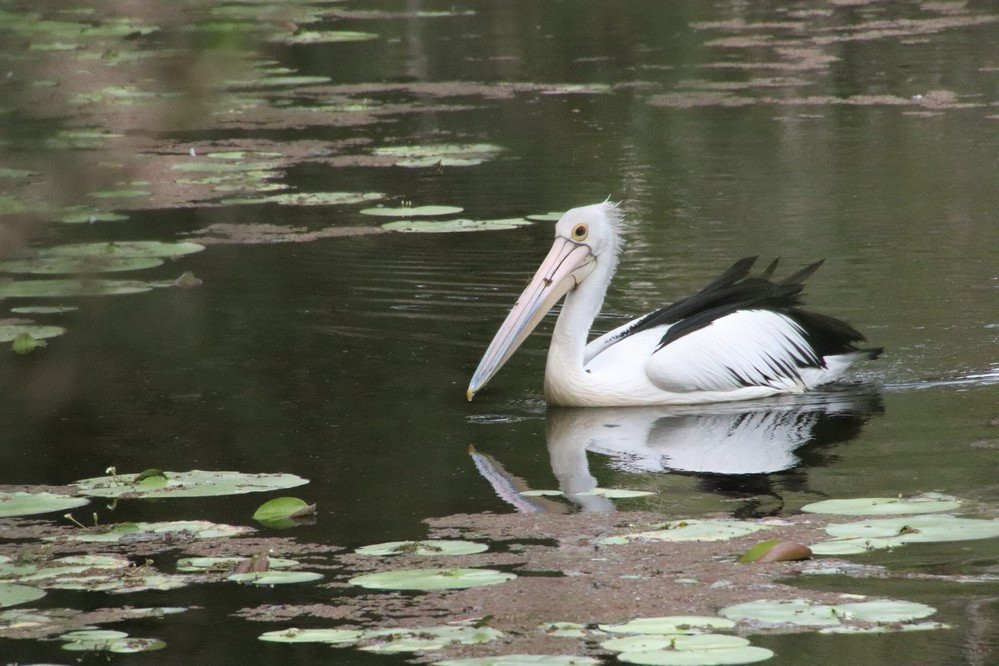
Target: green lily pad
pixel 451 226
pixel 10 332
pixel 227 564
pixel 616 493
pixel 431 579
pixel 281 512
pixel 275 577
pixel 412 211
pixel 16 173
pixel 872 506
pixel 191 529
pixel 885 629
pixel 431 547
pixel 449 149
pixel 71 287
pixel 670 624
pixel 43 309
pixel 45 572
pixel 881 533
pixel 196 483
pixel 158 249
pixel 427 638
pixel 674 642
pixel 541 493
pixel 323 37
pixel 565 629
pixel 120 194
pixel 86 216
pixel 295 635
pixel 117 645
pixel 746 654
pixel 546 217
pixel 11 595
pixel 806 613
pixel 308 199
pixel 29 504
pixel 79 264
pixel 522 660
pixel 690 530
pixel 92 635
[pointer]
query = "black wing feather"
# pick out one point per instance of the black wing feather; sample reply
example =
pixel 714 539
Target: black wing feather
pixel 735 290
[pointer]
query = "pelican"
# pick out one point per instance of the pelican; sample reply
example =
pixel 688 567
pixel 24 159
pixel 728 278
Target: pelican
pixel 741 337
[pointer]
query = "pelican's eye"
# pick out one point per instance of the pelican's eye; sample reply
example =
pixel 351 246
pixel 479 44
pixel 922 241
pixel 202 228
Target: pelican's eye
pixel 579 232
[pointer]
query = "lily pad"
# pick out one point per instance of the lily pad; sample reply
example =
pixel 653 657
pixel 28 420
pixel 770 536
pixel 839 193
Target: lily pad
pixel 451 226
pixel 690 530
pixel 117 645
pixel 873 506
pixel 522 660
pixel 564 629
pixel 546 217
pixel 71 287
pixel 541 493
pixel 881 533
pixel 746 654
pixel 432 547
pixel 281 512
pixel 308 199
pixel 885 629
pixel 295 635
pixel 431 579
pixel 616 493
pixel 412 211
pixel 29 504
pixel 673 642
pixel 191 529
pixel 79 264
pixel 806 613
pixel 87 216
pixel 159 249
pixel 427 638
pixel 43 309
pixel 46 571
pixel 11 594
pixel 323 37
pixel 670 624
pixel 196 483
pixel 92 635
pixel 227 564
pixel 275 577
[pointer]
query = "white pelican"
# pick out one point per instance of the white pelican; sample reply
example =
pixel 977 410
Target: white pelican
pixel 740 337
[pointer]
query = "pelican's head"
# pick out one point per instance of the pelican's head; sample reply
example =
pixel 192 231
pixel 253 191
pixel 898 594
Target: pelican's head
pixel 584 237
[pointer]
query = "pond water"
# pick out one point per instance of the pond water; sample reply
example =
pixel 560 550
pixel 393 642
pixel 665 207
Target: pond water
pixel 856 131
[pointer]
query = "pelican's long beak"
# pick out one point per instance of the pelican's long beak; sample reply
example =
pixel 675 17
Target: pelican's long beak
pixel 565 266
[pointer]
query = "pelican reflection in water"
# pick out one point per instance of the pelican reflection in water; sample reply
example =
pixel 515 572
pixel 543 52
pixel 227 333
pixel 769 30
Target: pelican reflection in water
pixel 732 448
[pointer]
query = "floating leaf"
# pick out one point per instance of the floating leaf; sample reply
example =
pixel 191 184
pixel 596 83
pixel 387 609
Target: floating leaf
pixel 690 530
pixel 427 638
pixel 431 547
pixel 11 595
pixel 227 564
pixel 451 226
pixel 311 636
pixel 43 309
pixel 776 550
pixel 275 577
pixel 191 529
pixel 880 533
pixel 28 504
pixel 87 216
pixel 281 511
pixel 431 579
pixel 884 629
pixel 412 211
pixel 565 629
pixel 11 332
pixel 117 645
pixel 807 613
pixel 686 642
pixel 25 344
pixel 73 287
pixel 308 198
pixel 670 624
pixel 545 217
pixel 323 37
pixel 872 506
pixel 16 173
pixel 522 660
pixel 79 264
pixel 196 483
pixel 616 493
pixel 92 635
pixel 746 654
pixel 159 249
pixel 541 493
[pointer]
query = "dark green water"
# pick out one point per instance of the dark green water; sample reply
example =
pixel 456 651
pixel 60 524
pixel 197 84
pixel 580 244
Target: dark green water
pixel 862 132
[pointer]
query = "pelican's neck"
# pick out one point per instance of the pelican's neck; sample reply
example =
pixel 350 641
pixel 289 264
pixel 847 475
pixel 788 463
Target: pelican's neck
pixel 581 306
